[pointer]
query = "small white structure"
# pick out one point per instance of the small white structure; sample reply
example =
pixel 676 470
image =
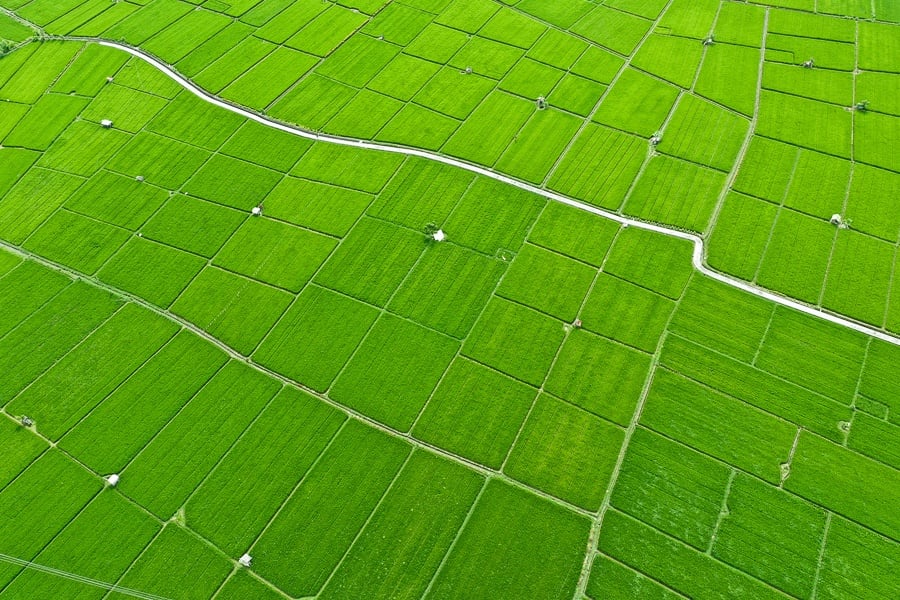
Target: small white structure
pixel 26 421
pixel 139 178
pixel 245 560
pixel 468 71
pixel 836 219
pixel 439 235
pixel 109 79
pixel 106 124
pixel 809 64
pixel 112 480
pixel 709 40
pixel 541 103
pixel 256 211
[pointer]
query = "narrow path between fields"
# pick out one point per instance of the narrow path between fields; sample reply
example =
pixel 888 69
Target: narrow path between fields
pixel 698 242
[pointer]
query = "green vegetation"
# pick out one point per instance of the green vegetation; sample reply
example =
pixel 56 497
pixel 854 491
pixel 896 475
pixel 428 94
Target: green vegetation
pixel 540 404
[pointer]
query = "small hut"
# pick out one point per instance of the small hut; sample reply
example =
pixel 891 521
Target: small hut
pixel 245 560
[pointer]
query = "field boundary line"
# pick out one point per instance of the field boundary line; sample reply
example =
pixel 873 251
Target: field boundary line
pixel 110 587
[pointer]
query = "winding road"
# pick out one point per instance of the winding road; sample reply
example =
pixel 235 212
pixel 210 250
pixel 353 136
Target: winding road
pixel 699 249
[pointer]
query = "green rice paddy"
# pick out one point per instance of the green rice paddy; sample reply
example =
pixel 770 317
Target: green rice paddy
pixel 546 404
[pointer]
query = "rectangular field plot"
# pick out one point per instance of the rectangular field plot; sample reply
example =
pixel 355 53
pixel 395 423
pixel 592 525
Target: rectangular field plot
pixel 151 271
pixel 816 354
pixel 475 412
pixel 49 333
pixel 404 76
pixel 448 288
pixel 772 394
pixel 563 14
pixel 349 270
pixel 878 88
pixel 866 206
pixel 358 60
pixel 166 472
pixel 399 24
pixel 353 168
pixel 612 29
pixel 516 340
pixel 394 371
pixel 874 40
pixel 874 437
pixel 796 258
pixel 515 544
pixel 740 23
pixel 598 65
pixel 566 452
pixel 20 447
pixel 704 133
pixel 874 133
pixel 547 282
pixel 275 253
pixel 531 79
pixel 730 76
pixel 290 434
pixel 32 200
pixel 501 114
pixel 617 375
pixel 63 394
pixel 878 381
pixel 859 264
pixel 76 241
pixel 556 48
pixel 637 103
pixel 826 85
pixel 493 217
pixel 365 115
pixel 177 563
pixel 671 487
pixel 194 121
pixel 44 499
pixel 409 532
pixel 796 50
pixel 40 69
pixel 232 182
pixel 802 23
pixel 194 225
pixel 722 318
pixel 819 184
pixel 468 15
pixel 233 63
pixel 265 146
pixel 486 57
pixel 46 119
pixel 161 161
pixel 692 573
pixel 327 31
pixel 83 148
pixel 806 123
pixel 846 483
pixel 574 232
pixel 322 207
pixel 128 418
pixel 670 57
pixel 437 43
pixel 83 548
pixel 236 310
pixel 576 94
pixel 600 167
pixel 718 425
pixel 418 127
pixel 117 200
pixel 771 535
pixel 513 28
pixel 535 149
pixel 740 235
pixel 422 192
pixel 16 162
pixel 128 109
pixel 627 313
pixel 147 21
pixel 676 192
pixel 656 262
pixel 316 337
pixel 857 561
pixel 177 40
pixel 613 580
pixel 332 503
pixel 24 289
pixel 767 169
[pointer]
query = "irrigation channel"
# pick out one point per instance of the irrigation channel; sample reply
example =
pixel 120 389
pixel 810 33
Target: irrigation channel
pixel 696 240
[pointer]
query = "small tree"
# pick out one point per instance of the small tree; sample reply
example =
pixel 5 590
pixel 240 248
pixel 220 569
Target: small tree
pixel 6 47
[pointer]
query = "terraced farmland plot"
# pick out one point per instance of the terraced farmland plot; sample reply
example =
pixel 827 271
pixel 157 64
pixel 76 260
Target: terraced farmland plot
pixel 687 438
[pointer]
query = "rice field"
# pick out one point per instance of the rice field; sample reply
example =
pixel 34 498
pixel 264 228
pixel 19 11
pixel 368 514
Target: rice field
pixel 262 338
